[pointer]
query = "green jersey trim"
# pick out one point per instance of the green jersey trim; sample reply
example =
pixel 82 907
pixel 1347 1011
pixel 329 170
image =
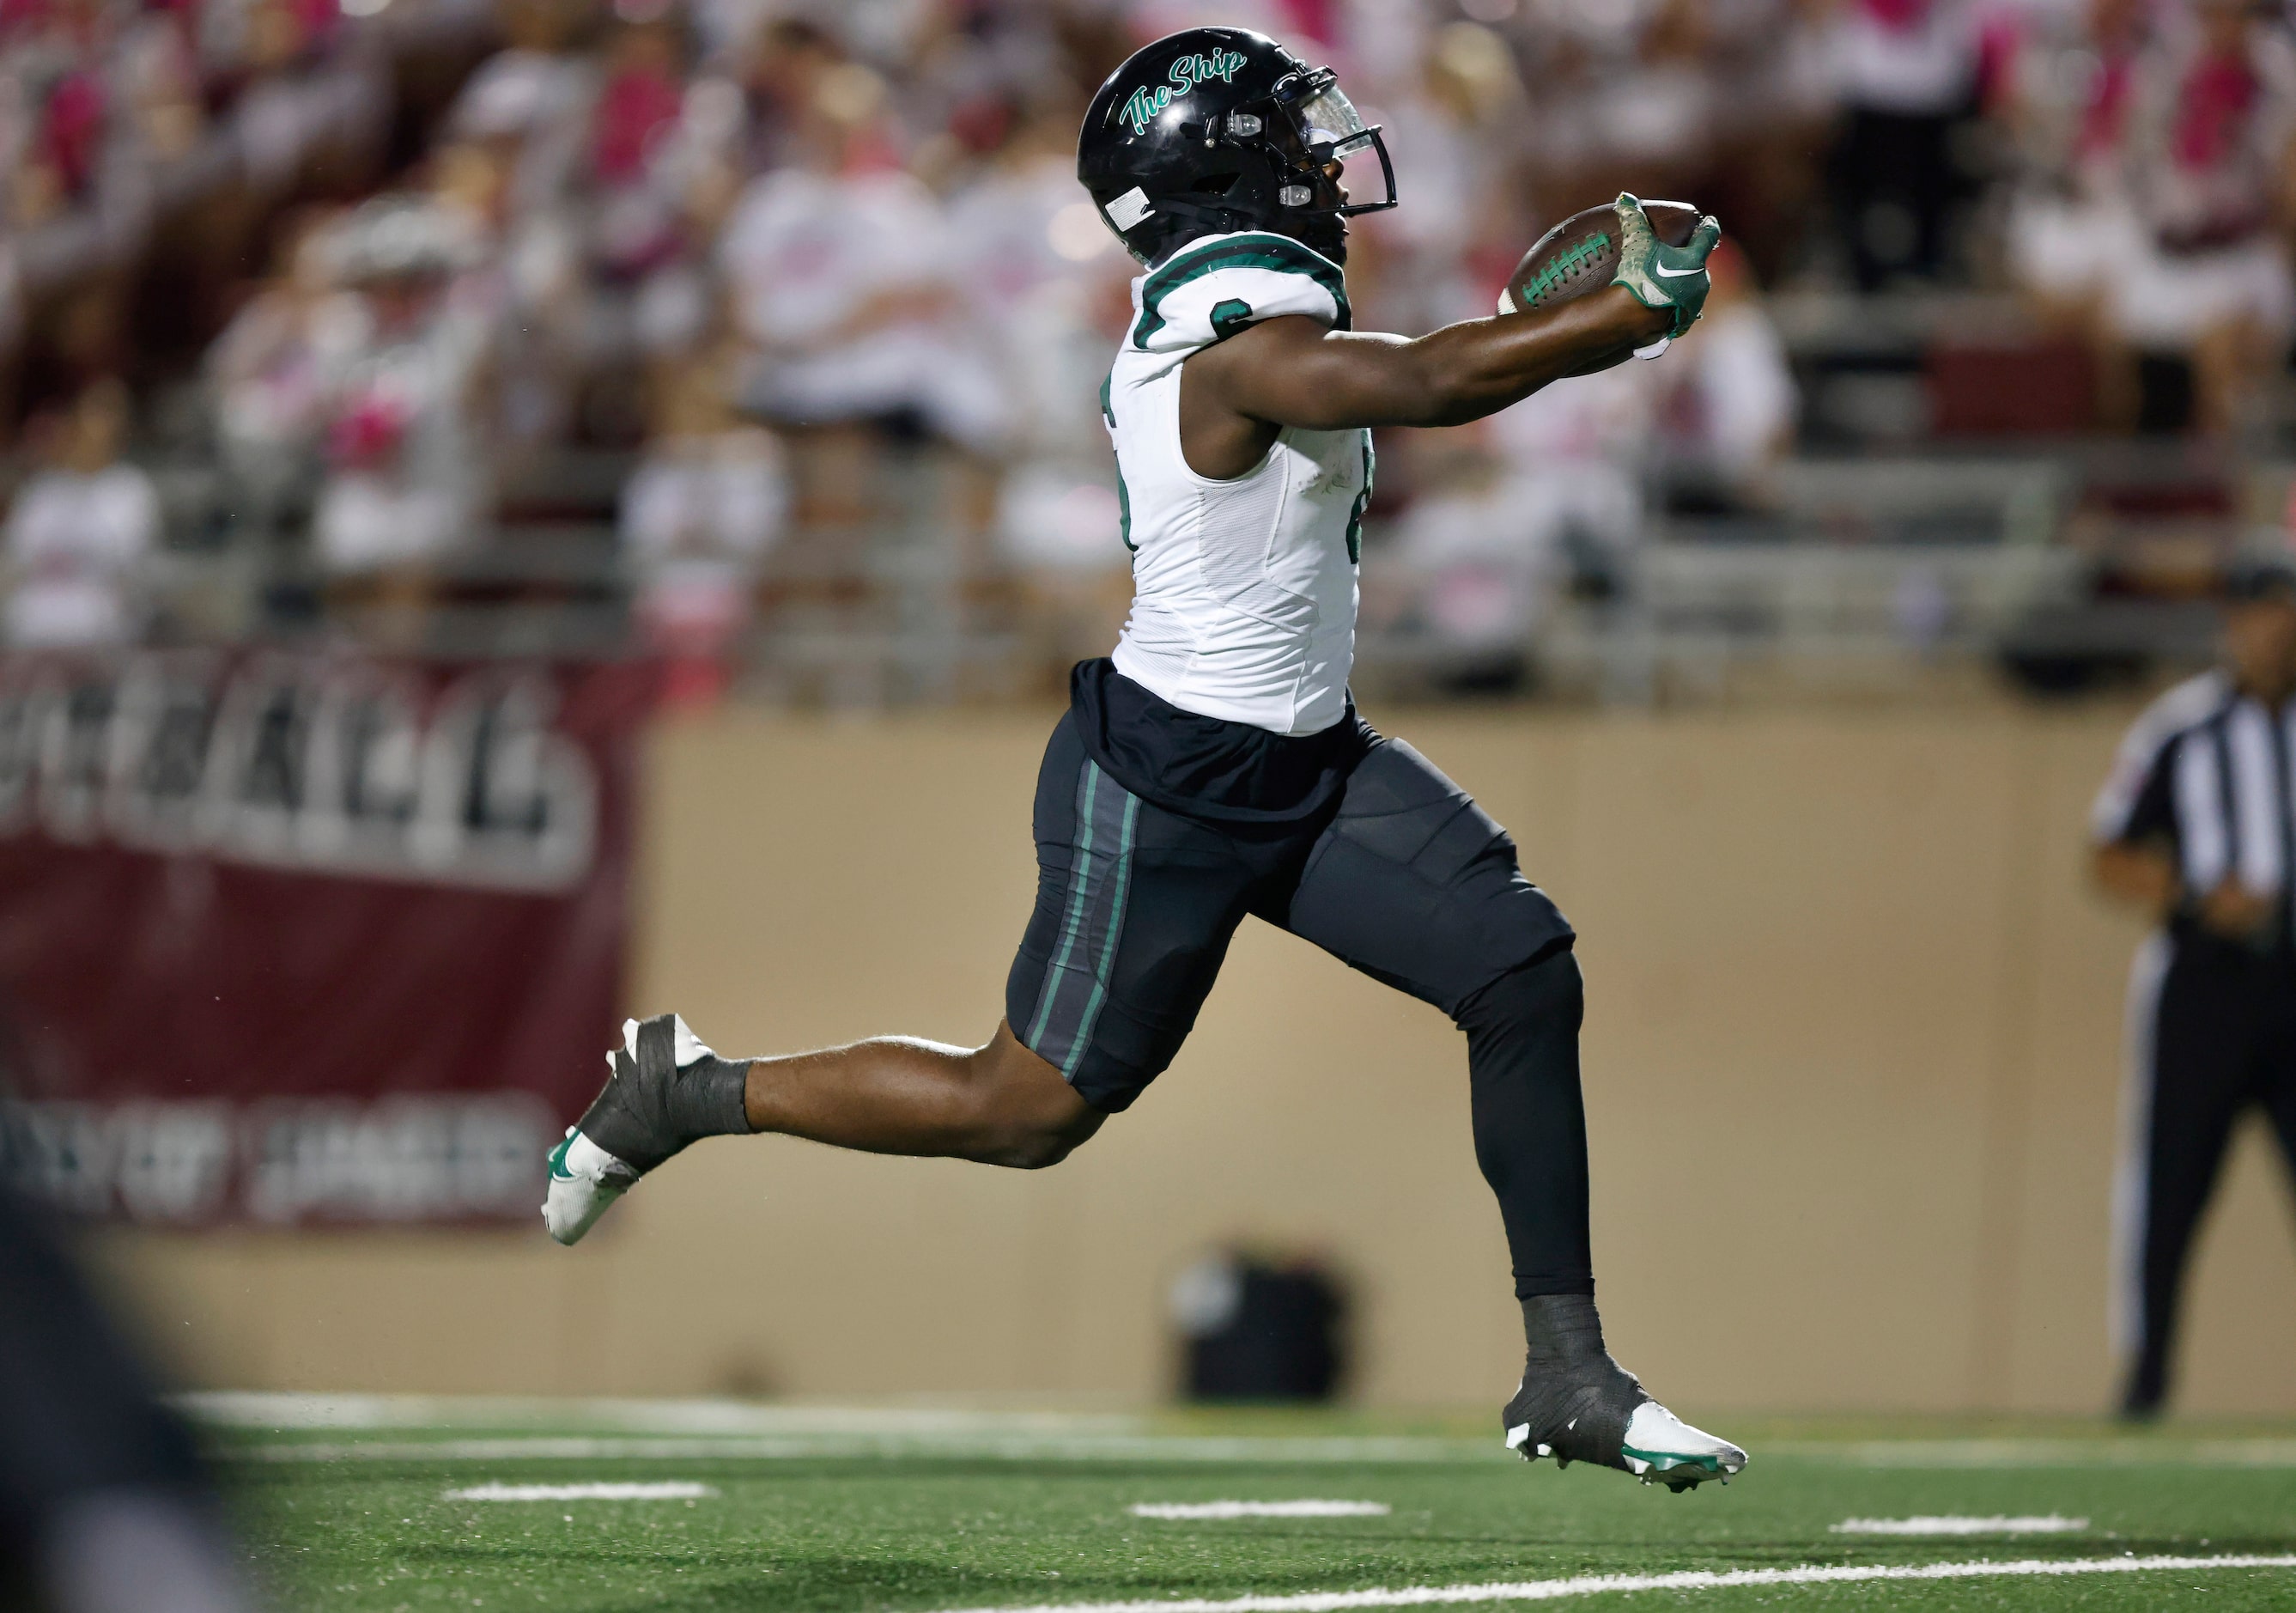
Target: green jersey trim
pixel 1123 493
pixel 1256 249
pixel 1363 502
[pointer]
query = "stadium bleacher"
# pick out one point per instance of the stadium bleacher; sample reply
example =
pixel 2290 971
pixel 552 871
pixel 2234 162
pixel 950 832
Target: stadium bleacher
pixel 647 236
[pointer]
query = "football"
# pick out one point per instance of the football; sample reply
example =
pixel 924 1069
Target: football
pixel 1580 254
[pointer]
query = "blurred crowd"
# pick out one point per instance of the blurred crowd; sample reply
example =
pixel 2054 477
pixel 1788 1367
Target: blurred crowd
pixel 797 262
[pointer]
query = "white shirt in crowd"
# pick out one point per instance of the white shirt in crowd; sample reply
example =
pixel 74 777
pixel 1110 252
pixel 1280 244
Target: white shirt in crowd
pixel 74 542
pixel 808 255
pixel 1919 64
pixel 721 498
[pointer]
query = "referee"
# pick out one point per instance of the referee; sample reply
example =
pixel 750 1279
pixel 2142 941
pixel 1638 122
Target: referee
pixel 2197 826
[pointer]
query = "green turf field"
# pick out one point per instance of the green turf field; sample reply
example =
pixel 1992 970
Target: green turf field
pixel 824 1509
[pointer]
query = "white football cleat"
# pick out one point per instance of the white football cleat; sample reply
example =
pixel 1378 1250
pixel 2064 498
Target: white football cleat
pixel 1660 1448
pixel 1576 1404
pixel 584 1180
pixel 664 1090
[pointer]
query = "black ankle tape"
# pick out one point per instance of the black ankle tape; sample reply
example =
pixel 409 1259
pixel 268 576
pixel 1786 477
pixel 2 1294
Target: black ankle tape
pixel 710 1097
pixel 1563 1329
pixel 1574 1398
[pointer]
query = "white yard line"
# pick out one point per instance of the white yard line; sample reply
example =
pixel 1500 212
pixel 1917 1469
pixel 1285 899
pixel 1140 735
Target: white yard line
pixel 1956 1454
pixel 666 1490
pixel 2050 1524
pixel 1260 1508
pixel 1599 1585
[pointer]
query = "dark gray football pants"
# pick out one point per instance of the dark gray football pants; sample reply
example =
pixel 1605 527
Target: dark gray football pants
pixel 1405 878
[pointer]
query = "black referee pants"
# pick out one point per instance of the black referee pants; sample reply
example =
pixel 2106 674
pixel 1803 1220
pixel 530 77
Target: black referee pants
pixel 2217 1037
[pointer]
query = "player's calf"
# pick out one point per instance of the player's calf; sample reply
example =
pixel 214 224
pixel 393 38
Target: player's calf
pixel 1017 1110
pixel 1576 1404
pixel 665 1088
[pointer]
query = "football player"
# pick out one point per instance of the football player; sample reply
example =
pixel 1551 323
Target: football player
pixel 1214 766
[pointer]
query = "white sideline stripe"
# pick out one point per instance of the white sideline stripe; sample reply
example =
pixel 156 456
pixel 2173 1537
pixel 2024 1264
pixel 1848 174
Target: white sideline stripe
pixel 1019 1448
pixel 278 1412
pixel 804 1430
pixel 928 1443
pixel 1599 1585
pixel 664 1490
pixel 2048 1524
pixel 1260 1508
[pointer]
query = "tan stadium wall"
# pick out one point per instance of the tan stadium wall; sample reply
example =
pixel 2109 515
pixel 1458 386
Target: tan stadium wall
pixel 1852 1070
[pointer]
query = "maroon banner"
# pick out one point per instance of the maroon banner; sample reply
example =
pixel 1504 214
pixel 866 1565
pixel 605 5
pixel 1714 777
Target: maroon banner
pixel 306 938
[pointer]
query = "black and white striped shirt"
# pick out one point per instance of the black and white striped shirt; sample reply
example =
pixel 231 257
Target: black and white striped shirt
pixel 2205 773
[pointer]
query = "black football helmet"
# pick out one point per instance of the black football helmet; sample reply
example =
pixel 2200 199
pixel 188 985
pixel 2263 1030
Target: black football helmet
pixel 1217 129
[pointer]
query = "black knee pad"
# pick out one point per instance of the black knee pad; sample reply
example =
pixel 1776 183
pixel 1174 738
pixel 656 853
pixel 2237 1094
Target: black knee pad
pixel 1548 991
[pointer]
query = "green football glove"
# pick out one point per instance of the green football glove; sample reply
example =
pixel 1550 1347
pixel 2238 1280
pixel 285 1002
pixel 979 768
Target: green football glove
pixel 1669 279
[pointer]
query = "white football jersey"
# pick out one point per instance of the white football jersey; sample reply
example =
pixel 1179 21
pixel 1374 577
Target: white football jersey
pixel 1244 589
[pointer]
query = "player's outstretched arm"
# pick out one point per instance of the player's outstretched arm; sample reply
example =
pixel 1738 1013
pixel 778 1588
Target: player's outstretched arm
pixel 1294 371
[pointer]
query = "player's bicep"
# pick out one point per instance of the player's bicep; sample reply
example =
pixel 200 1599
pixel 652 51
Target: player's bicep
pixel 1295 371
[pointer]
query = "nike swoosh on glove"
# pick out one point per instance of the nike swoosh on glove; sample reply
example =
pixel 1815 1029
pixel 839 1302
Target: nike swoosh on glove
pixel 1669 279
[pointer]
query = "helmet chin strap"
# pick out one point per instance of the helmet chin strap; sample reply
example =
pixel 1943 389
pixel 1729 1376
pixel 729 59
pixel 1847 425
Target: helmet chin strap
pixel 1326 233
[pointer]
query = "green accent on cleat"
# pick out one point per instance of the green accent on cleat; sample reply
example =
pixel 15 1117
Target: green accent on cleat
pixel 584 1182
pixel 1662 1461
pixel 1675 1470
